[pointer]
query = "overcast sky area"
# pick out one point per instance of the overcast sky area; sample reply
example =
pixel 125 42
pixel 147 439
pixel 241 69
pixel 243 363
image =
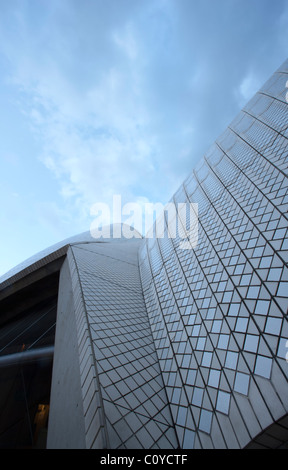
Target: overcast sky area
pixel 106 97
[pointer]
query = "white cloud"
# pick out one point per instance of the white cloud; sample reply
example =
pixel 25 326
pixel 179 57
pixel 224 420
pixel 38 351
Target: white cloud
pixel 95 139
pixel 126 42
pixel 249 85
pixel 118 101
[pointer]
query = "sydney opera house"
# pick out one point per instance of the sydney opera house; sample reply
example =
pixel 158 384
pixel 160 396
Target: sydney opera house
pixel 120 343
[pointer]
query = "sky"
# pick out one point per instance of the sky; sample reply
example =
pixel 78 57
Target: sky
pixel 117 97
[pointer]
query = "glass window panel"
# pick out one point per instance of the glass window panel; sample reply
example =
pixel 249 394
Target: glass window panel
pixel 186 361
pixel 245 280
pixel 258 252
pixel 251 343
pixel 223 341
pixel 227 297
pixel 253 292
pixel 181 418
pixel 207 358
pixel 283 349
pixel 283 289
pixel 196 330
pixel 191 377
pixel 266 262
pixel 231 360
pixel 274 274
pixel 214 378
pixel 189 437
pixel 206 303
pixel 273 326
pixel 241 383
pixel 176 395
pixel 205 421
pixel 262 307
pixel 222 286
pixel 239 269
pixel 201 344
pixel 223 402
pixel 252 243
pixel 263 366
pixel 211 313
pixel 192 319
pixel 197 396
pixel 216 328
pixel 241 324
pixel 234 310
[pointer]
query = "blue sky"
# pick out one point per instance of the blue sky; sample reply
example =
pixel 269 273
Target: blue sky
pixel 103 97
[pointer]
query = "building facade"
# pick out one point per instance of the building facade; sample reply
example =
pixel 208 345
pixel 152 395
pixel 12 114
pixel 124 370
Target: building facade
pixel 137 343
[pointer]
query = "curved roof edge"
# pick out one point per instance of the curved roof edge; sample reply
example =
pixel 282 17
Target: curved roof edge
pixel 58 250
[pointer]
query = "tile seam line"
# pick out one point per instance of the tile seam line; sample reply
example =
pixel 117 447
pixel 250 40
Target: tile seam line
pixel 171 343
pixel 106 256
pixel 113 282
pixel 240 136
pixel 236 287
pixel 227 153
pixel 262 283
pixel 262 92
pixel 231 332
pixel 141 296
pixel 103 429
pixel 173 424
pixel 168 274
pixel 249 217
pixel 134 410
pixel 256 117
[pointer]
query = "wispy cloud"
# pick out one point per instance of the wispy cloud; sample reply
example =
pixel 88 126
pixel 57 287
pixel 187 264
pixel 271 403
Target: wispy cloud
pixel 125 97
pixel 247 88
